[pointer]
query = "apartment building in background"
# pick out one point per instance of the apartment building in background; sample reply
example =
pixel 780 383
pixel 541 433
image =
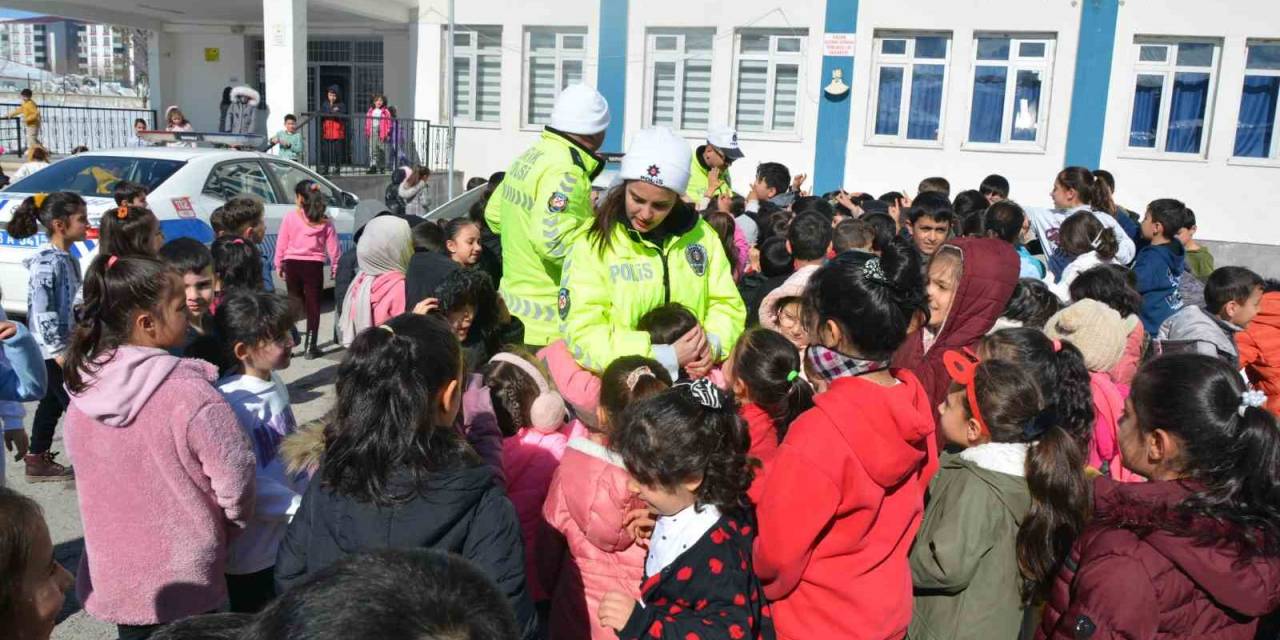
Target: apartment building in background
pixel 64 46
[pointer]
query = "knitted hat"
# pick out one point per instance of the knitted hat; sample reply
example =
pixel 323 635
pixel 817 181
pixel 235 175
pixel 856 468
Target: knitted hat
pixel 580 109
pixel 1095 329
pixel 660 157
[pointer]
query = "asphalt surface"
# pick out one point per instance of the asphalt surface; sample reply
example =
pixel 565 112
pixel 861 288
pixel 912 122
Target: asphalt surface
pixel 311 393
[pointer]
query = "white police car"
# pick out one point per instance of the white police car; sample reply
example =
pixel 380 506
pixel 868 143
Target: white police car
pixel 185 184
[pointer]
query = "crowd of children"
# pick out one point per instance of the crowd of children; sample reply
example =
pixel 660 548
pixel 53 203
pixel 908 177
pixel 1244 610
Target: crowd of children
pixel 941 418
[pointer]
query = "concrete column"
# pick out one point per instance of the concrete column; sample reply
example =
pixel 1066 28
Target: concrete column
pixel 426 46
pixel 284 24
pixel 157 67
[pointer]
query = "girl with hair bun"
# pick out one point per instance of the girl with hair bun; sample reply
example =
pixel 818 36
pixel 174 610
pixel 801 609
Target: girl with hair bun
pixel 1195 552
pixel 686 452
pixel 1077 189
pixel 845 492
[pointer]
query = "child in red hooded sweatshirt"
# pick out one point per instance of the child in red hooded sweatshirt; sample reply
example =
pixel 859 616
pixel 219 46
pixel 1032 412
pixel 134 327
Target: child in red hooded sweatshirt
pixel 970 281
pixel 844 494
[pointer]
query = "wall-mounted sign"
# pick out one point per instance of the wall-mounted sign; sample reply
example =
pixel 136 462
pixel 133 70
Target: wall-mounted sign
pixel 212 54
pixel 837 44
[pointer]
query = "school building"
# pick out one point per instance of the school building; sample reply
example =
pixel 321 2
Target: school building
pixel 1175 97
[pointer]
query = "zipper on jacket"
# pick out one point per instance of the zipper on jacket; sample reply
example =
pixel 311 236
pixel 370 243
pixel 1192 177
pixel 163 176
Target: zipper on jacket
pixel 666 278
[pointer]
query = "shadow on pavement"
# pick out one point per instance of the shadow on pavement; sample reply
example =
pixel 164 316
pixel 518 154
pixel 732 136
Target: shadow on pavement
pixel 68 554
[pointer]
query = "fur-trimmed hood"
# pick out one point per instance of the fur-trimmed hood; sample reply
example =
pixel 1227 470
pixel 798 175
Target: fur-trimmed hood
pixel 302 450
pixel 246 92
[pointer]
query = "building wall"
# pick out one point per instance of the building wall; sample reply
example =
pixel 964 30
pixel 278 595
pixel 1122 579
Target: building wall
pixel 197 83
pixel 1232 200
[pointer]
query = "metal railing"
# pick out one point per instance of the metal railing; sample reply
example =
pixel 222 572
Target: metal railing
pixel 65 128
pixel 345 145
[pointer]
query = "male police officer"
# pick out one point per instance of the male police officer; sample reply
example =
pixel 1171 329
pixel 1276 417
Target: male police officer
pixel 709 170
pixel 544 204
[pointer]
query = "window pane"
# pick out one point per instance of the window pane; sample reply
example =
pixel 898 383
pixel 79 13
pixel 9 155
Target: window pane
pixel 488 88
pixel 461 39
pixel 754 43
pixel 542 40
pixel 462 88
pixel 664 94
pixel 1026 105
pixel 931 47
pixel 542 90
pixel 696 108
pixel 489 37
pixel 699 41
pixel 786 86
pixel 1186 112
pixel 1254 127
pixel 993 48
pixel 753 83
pixel 893 47
pixel 788 45
pixel 1146 111
pixel 1031 50
pixel 986 115
pixel 1195 54
pixel 666 43
pixel 926 102
pixel 1263 56
pixel 1153 53
pixel 571 73
pixel 575 42
pixel 889 101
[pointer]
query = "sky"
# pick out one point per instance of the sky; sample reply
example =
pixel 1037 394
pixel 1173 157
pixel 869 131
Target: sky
pixel 14 14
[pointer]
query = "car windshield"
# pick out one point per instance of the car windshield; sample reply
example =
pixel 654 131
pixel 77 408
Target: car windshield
pixel 96 176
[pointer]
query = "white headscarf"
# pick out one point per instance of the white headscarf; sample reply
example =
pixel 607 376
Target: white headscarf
pixel 384 247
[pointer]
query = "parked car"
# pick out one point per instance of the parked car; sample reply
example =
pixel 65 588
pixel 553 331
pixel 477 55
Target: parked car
pixel 185 184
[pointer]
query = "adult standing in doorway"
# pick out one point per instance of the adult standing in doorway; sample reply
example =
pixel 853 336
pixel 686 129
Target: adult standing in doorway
pixel 544 205
pixel 709 170
pixel 646 247
pixel 222 109
pixel 333 131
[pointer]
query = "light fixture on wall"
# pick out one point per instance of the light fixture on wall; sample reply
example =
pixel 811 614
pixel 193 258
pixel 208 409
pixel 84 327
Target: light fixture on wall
pixel 837 87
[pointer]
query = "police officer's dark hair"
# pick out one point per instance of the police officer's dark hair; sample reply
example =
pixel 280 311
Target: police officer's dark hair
pixel 775 175
pixel 810 236
pixel 402 593
pixel 613 211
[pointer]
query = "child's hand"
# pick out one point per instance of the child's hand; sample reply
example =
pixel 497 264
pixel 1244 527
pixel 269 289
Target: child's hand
pixel 426 306
pixel 639 523
pixel 8 330
pixel 798 181
pixel 615 609
pixel 281 272
pixel 16 440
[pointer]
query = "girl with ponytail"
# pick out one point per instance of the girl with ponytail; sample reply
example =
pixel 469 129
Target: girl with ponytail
pixel 128 230
pixel 589 549
pixel 763 371
pixel 1195 552
pixel 686 452
pixel 1005 452
pixel 151 437
pixel 1076 189
pixel 53 282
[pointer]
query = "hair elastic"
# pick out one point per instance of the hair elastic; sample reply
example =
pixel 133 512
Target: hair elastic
pixel 237 241
pixel 1251 398
pixel 1057 345
pixel 633 378
pixel 964 371
pixel 705 393
pixel 315 186
pixel 122 212
pixel 39 199
pixel 387 329
pixel 792 375
pixel 111 261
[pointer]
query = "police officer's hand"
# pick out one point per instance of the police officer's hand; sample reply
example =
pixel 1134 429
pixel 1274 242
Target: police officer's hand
pixel 690 346
pixel 713 181
pixel 701 367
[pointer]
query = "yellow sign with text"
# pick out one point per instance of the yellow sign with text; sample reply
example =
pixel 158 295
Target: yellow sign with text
pixel 212 54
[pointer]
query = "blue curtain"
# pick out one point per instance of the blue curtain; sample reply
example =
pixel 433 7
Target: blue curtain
pixel 1186 114
pixel 889 101
pixel 1026 88
pixel 1257 116
pixel 1146 111
pixel 925 113
pixel 987 112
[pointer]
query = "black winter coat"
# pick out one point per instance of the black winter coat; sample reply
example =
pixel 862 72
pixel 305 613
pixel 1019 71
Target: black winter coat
pixel 462 511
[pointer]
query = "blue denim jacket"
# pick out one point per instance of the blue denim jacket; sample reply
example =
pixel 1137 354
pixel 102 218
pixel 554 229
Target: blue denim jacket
pixel 52 290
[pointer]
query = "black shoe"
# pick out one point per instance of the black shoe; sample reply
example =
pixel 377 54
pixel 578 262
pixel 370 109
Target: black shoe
pixel 313 346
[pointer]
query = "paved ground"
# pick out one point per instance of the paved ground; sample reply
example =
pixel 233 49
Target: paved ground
pixel 311 392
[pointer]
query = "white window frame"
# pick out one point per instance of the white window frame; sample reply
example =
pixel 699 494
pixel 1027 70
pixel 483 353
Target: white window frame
pixel 773 58
pixel 1168 69
pixel 560 56
pixel 906 61
pixel 1273 154
pixel 473 53
pixel 679 57
pixel 1014 64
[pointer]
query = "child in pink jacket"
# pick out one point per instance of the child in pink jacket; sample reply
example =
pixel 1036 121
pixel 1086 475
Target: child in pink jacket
pixel 587 551
pixel 164 473
pixel 531 417
pixel 306 237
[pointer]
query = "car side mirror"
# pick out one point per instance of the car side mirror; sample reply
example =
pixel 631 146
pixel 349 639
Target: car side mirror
pixel 348 200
